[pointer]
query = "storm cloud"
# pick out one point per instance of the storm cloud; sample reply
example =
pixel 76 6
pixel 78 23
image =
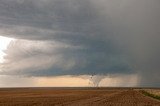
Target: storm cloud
pixel 82 37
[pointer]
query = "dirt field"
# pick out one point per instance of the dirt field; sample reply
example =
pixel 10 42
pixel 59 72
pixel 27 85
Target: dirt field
pixel 74 97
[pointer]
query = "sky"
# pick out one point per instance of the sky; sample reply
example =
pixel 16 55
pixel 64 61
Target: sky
pixel 79 43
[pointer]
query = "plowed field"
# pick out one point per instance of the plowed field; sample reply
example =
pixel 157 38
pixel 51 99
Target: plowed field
pixel 74 97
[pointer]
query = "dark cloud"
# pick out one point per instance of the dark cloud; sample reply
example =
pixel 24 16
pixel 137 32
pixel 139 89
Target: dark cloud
pixel 74 37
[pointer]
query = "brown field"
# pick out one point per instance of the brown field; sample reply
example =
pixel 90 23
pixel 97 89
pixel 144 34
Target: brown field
pixel 74 97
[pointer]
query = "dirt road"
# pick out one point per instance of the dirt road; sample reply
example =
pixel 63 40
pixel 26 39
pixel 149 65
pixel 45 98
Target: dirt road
pixel 74 97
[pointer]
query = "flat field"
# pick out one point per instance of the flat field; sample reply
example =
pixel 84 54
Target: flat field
pixel 74 97
pixel 153 91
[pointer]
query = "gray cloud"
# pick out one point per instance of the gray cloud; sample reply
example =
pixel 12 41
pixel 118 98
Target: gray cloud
pixel 75 37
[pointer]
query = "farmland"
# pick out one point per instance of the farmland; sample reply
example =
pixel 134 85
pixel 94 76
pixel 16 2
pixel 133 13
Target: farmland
pixel 74 97
pixel 153 91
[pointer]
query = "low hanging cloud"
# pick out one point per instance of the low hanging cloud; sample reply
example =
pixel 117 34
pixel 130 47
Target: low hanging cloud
pixel 82 37
pixel 49 58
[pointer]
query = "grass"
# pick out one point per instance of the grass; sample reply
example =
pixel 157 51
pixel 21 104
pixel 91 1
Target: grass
pixel 150 95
